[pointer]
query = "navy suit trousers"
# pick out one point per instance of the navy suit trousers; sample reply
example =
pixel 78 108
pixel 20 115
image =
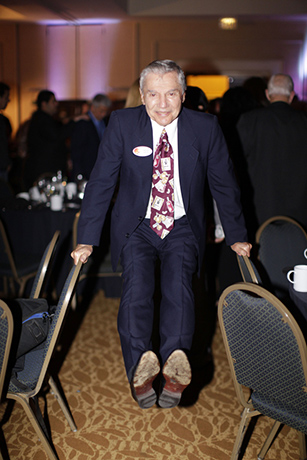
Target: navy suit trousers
pixel 178 254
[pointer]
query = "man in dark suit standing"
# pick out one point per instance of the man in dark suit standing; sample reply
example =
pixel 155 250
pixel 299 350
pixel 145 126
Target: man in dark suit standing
pixel 87 135
pixel 46 140
pixel 5 132
pixel 164 153
pixel 274 142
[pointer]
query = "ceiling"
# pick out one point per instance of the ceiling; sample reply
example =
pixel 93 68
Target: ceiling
pixel 91 11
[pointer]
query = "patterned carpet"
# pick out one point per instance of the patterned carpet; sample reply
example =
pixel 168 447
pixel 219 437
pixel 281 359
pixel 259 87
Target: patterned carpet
pixel 110 424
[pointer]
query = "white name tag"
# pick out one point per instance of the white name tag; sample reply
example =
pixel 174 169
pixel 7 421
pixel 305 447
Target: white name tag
pixel 142 151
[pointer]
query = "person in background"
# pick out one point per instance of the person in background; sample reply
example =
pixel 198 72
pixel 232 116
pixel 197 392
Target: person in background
pixel 87 135
pixel 195 99
pixel 5 132
pixel 274 145
pixel 47 151
pixel 164 154
pixel 257 86
pixel 133 97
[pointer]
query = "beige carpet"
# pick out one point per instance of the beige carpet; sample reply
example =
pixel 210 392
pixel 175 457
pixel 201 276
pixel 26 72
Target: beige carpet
pixel 110 424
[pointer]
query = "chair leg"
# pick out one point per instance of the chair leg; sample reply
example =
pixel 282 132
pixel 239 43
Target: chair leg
pixel 62 404
pixel 269 440
pixel 22 286
pixel 5 287
pixel 302 444
pixel 39 429
pixel 12 287
pixel 239 439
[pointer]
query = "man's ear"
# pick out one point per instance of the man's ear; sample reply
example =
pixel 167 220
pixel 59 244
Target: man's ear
pixel 267 95
pixel 142 96
pixel 183 98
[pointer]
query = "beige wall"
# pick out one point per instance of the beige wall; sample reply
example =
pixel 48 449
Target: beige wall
pixel 201 47
pixel 79 61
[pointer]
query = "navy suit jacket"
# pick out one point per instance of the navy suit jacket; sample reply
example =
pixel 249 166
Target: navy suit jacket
pixel 202 154
pixel 84 148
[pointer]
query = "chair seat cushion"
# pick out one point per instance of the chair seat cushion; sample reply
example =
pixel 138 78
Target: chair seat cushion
pixel 293 416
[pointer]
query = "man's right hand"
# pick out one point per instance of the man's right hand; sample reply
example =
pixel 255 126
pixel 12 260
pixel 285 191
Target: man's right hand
pixel 82 252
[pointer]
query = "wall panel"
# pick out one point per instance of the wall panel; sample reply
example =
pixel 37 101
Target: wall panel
pixel 199 46
pixel 9 69
pixel 107 61
pixel 61 61
pixel 32 66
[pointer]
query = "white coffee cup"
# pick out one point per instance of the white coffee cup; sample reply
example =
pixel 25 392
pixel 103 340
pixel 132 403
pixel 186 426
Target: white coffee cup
pixel 56 202
pixel 71 190
pixel 299 278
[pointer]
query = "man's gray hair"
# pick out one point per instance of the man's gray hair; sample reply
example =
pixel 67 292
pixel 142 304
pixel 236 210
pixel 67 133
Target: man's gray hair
pixel 280 84
pixel 101 99
pixel 161 68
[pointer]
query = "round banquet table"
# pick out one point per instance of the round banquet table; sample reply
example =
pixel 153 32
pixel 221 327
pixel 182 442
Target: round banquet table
pixel 30 230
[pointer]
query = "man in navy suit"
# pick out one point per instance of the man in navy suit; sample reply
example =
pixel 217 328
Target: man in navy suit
pixel 127 150
pixel 87 135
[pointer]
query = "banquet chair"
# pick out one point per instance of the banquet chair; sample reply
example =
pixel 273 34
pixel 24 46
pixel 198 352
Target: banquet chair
pixel 248 270
pixel 39 280
pixel 281 243
pixel 14 269
pixel 267 355
pixel 30 380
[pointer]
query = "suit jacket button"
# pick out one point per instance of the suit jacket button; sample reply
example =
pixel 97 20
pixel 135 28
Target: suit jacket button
pixel 140 218
pixel 127 235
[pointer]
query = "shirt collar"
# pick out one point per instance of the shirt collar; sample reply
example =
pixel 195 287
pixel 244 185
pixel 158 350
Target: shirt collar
pixel 170 129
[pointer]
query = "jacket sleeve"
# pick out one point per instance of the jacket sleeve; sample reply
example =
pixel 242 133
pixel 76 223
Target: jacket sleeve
pixel 101 185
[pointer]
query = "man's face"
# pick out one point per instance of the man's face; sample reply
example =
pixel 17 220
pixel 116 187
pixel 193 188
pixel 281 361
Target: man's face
pixel 51 106
pixel 99 111
pixel 162 96
pixel 4 100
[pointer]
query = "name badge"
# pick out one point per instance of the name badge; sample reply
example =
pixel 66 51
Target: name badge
pixel 142 151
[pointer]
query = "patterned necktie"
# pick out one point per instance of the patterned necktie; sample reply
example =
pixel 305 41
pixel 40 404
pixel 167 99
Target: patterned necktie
pixel 162 204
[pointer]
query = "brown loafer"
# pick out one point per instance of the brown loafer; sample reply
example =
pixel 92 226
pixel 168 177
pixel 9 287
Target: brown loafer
pixel 177 375
pixel 141 385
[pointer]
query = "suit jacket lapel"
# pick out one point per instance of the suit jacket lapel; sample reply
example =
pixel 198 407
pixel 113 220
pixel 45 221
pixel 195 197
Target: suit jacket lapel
pixel 187 154
pixel 143 137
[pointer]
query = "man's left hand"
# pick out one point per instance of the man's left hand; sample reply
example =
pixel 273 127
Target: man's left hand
pixel 242 249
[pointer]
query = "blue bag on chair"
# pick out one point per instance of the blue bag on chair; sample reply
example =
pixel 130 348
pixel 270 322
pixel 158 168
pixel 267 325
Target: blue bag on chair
pixel 35 322
pixel 32 318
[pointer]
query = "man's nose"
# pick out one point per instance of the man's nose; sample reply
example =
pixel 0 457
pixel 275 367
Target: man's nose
pixel 163 101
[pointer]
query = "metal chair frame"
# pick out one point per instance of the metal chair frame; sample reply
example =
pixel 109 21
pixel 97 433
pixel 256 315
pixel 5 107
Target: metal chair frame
pixel 44 266
pixel 249 303
pixel 248 270
pixel 35 293
pixel 36 366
